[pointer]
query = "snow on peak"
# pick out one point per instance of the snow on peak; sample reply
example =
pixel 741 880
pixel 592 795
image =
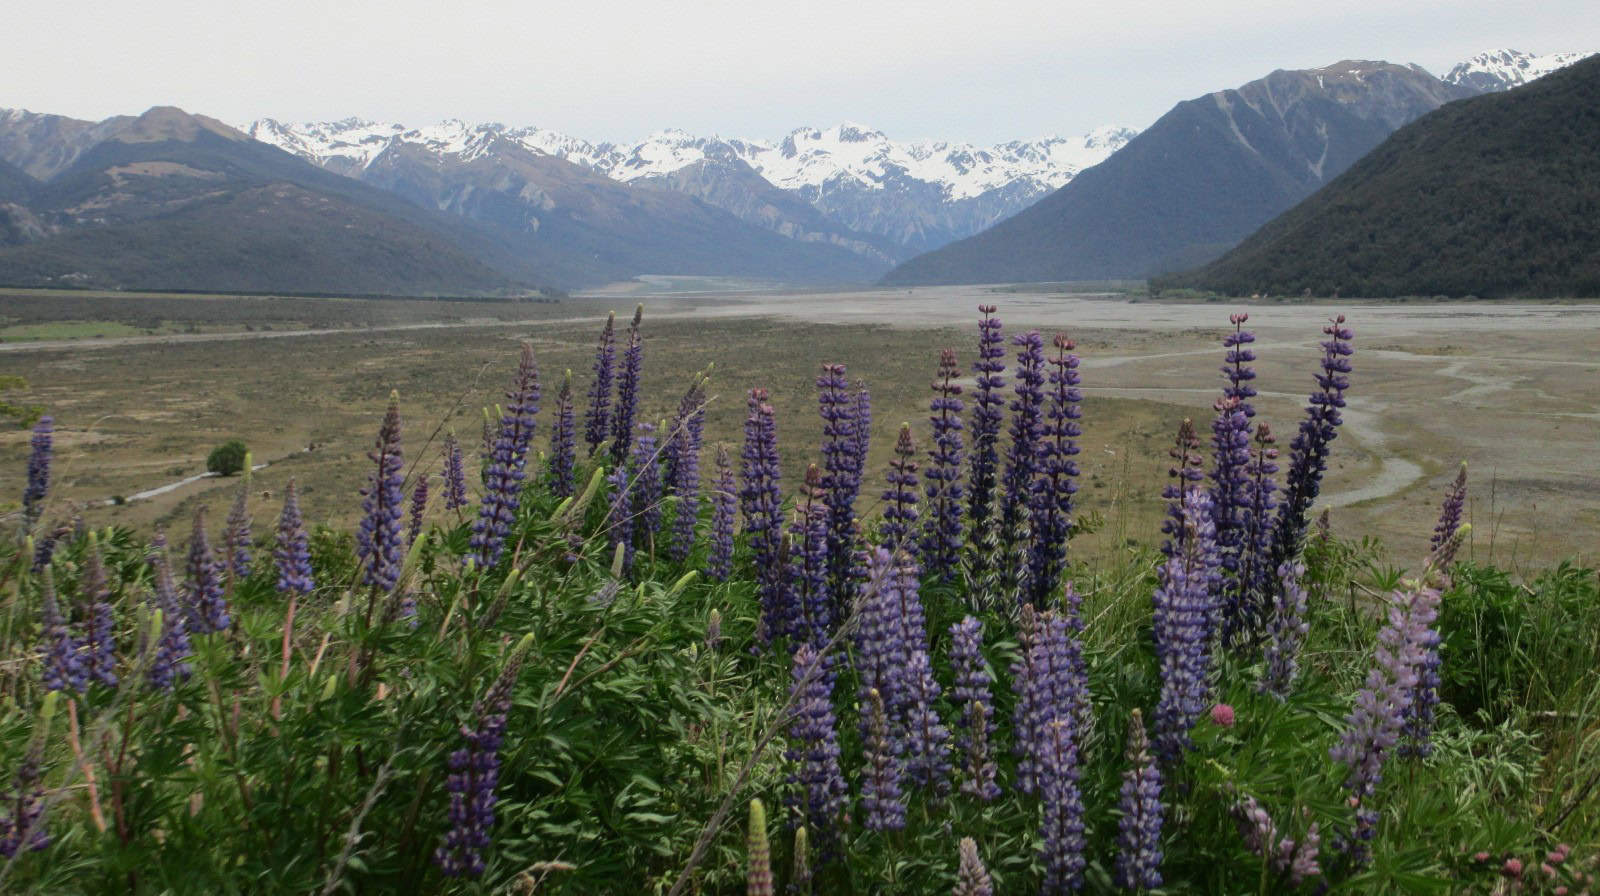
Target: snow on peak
pixel 807 158
pixel 1504 69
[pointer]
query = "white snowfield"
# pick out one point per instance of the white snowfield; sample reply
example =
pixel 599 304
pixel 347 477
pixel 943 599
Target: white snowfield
pixel 1509 67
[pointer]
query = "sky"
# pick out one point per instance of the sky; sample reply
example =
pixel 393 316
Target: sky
pixel 976 71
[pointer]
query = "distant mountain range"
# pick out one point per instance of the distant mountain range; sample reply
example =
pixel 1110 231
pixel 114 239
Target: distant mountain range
pixel 1492 196
pixel 1211 171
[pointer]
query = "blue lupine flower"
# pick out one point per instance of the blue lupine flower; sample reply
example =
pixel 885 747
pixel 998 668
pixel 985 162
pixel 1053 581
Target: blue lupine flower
pixel 1139 829
pixel 378 545
pixel 507 464
pixel 292 557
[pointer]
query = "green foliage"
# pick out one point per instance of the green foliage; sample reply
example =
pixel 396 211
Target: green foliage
pixel 228 458
pixel 25 414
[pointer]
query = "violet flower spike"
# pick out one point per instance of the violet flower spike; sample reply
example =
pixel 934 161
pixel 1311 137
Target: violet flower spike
pixel 1022 465
pixel 1183 629
pixel 22 827
pixel 841 471
pixel 1288 631
pixel 597 421
pixel 378 545
pixel 1052 492
pixel 419 509
pixel 1138 865
pixel 507 464
pixel 1308 454
pixel 63 663
pixel 973 693
pixel 207 609
pixel 622 424
pixel 761 504
pixel 563 443
pixel 683 468
pixel 808 563
pixel 988 414
pixel 38 486
pixel 170 661
pixel 455 474
pixel 100 631
pixel 1063 828
pixel 1442 547
pixel 645 465
pixel 972 879
pixel 474 777
pixel 292 556
pixel 879 634
pixel 818 782
pixel 236 535
pixel 1184 472
pixel 883 801
pixel 900 498
pixel 724 502
pixel 943 529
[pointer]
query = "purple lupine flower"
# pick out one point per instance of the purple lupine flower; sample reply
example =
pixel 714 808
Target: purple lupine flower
pixel 880 634
pixel 819 783
pixel 683 468
pixel 1022 464
pixel 1230 502
pixel 1051 499
pixel 1024 741
pixel 474 774
pixel 645 466
pixel 1417 737
pixel 1183 628
pixel 1051 686
pixel 988 414
pixel 419 508
pixel 724 500
pixel 808 563
pixel 378 548
pixel 901 670
pixel 100 630
pixel 900 498
pixel 972 879
pixel 38 486
pixel 1442 547
pixel 1377 719
pixel 942 527
pixel 170 660
pixel 1296 861
pixel 1139 828
pixel 563 443
pixel 761 504
pixel 597 420
pixel 883 801
pixel 635 488
pixel 1255 578
pixel 927 740
pixel 1063 828
pixel 455 474
pixel 293 554
pixel 507 464
pixel 1236 367
pixel 22 826
pixel 43 551
pixel 1288 628
pixel 972 693
pixel 236 535
pixel 63 663
pixel 1184 472
pixel 622 424
pixel 205 606
pixel 841 472
pixel 758 853
pixel 1308 453
pixel 862 426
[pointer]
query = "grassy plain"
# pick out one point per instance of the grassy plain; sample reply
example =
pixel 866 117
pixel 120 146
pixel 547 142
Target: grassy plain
pixel 303 382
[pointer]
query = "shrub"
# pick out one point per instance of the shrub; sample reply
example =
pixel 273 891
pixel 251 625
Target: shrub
pixel 227 459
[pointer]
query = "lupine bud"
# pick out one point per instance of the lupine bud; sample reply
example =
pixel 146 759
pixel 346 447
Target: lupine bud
pixel 563 443
pixel 724 501
pixel 1308 454
pixel 1139 828
pixel 455 474
pixel 622 425
pixel 800 872
pixel 378 547
pixel 758 876
pixel 507 464
pixel 597 421
pixel 206 608
pixel 972 879
pixel 38 486
pixel 942 528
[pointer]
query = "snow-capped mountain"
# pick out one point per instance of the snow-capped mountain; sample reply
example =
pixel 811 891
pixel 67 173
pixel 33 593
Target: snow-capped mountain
pixel 910 196
pixel 1495 70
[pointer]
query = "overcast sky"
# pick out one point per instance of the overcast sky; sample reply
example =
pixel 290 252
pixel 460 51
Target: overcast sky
pixel 620 69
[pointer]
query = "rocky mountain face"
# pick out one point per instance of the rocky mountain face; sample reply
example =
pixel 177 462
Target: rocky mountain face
pixel 1496 70
pixel 1200 179
pixel 847 186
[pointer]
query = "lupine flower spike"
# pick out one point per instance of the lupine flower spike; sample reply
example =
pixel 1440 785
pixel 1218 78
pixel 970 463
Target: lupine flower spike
pixel 378 544
pixel 1139 828
pixel 563 443
pixel 900 498
pixel 100 633
pixel 1285 857
pixel 1288 628
pixel 1184 473
pixel 22 827
pixel 972 879
pixel 841 472
pixel 683 468
pixel 800 871
pixel 170 660
pixel 597 421
pixel 761 505
pixel 419 509
pixel 1308 454
pixel 474 775
pixel 1053 490
pixel 38 486
pixel 1442 547
pixel 1183 628
pixel 507 464
pixel 292 557
pixel 724 501
pixel 883 802
pixel 236 535
pixel 63 665
pixel 1022 465
pixel 1063 829
pixel 455 474
pixel 988 413
pixel 972 692
pixel 943 484
pixel 758 854
pixel 628 390
pixel 206 607
pixel 808 563
pixel 819 789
